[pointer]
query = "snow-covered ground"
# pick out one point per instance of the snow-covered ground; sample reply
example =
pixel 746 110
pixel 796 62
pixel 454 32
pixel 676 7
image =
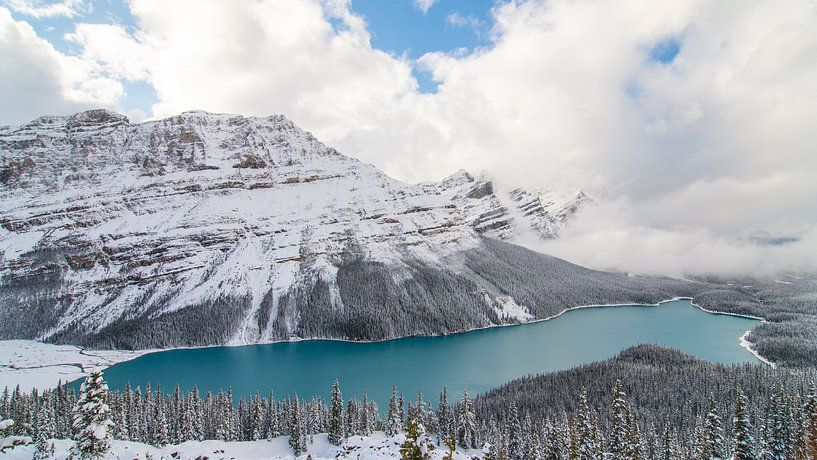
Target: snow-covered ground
pixel 376 446
pixel 40 365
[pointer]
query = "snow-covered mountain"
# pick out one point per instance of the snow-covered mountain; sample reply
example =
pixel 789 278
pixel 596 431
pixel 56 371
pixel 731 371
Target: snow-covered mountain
pixel 209 228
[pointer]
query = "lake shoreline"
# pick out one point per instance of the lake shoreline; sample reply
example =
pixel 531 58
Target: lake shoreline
pixel 128 355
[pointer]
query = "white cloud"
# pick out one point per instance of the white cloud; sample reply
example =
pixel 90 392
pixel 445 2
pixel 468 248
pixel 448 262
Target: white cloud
pixel 38 80
pixel 698 154
pixel 119 54
pixel 610 236
pixel 40 9
pixel 424 5
pixel 456 19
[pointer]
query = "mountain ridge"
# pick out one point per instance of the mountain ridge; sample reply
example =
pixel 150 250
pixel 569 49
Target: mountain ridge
pixel 215 228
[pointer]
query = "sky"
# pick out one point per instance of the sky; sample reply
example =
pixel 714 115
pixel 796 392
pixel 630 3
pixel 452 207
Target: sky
pixel 692 122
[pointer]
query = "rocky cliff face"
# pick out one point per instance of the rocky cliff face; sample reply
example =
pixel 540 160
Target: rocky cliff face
pixel 209 228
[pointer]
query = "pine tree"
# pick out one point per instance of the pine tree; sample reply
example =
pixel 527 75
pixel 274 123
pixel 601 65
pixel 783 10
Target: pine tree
pixel 135 411
pixel 43 447
pixel 161 436
pixel 175 416
pixel 336 416
pixel 669 448
pixel 467 425
pixel 533 448
pixel 196 422
pixel 742 430
pixel 394 421
pixel 273 427
pixel 700 446
pixel 444 417
pixel 149 423
pixel 633 450
pixel 92 418
pixel 619 416
pixel 372 415
pixel 515 447
pixel 228 431
pixel 586 445
pixel 777 429
pixel 255 419
pixel 810 423
pixel 297 440
pixel 122 425
pixel 416 446
pixel 713 429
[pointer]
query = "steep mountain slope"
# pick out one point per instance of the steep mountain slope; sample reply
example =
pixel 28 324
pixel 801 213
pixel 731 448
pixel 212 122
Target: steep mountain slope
pixel 209 228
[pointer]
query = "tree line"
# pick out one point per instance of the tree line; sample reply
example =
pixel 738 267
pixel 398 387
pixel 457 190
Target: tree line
pixel 780 426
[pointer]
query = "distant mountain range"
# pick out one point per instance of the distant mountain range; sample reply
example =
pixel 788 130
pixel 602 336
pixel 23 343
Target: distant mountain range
pixel 210 228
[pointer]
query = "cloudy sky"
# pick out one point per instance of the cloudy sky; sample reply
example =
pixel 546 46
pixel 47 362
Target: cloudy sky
pixel 693 122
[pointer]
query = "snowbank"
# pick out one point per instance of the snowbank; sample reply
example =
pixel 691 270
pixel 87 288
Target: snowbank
pixel 376 446
pixel 33 364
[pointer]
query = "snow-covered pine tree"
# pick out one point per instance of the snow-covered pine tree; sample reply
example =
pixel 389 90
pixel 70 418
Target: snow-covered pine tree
pixel 336 416
pixel 314 417
pixel 255 419
pixel 372 416
pixel 810 422
pixel 699 447
pixel 196 416
pixel 669 445
pixel 367 418
pixel 174 416
pixel 92 418
pixel 5 403
pixel 402 407
pixel 514 430
pixel 148 409
pixel 123 418
pixel 273 428
pixel 352 418
pixel 713 429
pixel 587 445
pixel 231 432
pixel 161 435
pixel 43 447
pixel 135 411
pixel 619 429
pixel 634 450
pixel 777 427
pixel 417 445
pixel 297 438
pixel 394 423
pixel 533 448
pixel 467 423
pixel 650 447
pixel 742 429
pixel 444 418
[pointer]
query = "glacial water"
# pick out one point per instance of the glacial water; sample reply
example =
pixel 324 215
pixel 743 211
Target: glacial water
pixel 477 360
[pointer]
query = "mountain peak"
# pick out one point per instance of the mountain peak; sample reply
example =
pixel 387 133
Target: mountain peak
pixel 97 116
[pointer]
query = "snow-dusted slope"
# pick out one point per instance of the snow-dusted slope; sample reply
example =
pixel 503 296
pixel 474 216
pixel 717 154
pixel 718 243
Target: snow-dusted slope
pixel 505 214
pixel 210 228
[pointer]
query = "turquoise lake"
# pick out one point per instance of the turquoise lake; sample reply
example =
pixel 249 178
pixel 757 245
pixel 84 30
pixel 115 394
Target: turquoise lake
pixel 477 360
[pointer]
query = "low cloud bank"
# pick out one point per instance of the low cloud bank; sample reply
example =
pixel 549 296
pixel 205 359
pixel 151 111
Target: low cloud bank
pixel 604 237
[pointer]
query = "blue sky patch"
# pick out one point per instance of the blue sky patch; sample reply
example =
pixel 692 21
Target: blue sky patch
pixel 665 51
pixel 400 28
